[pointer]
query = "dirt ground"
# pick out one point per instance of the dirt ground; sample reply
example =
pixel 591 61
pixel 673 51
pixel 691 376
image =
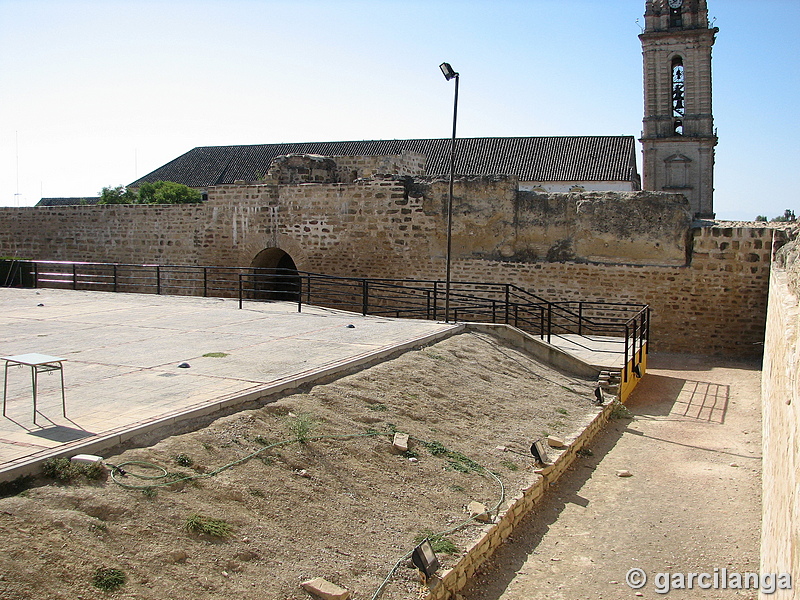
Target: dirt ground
pixel 343 508
pixel 692 504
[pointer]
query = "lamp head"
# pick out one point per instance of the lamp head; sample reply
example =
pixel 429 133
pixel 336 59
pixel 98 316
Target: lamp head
pixel 447 71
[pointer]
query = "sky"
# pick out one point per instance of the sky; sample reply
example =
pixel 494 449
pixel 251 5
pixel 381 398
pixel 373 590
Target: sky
pixel 99 93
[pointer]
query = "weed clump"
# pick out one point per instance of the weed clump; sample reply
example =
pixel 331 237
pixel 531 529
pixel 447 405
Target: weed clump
pixel 108 579
pixel 64 470
pixel 439 543
pixel 301 426
pixel 207 526
pixel 184 460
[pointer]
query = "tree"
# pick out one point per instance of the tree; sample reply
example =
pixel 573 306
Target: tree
pixel 787 217
pixel 761 219
pixel 168 192
pixel 118 195
pixel 159 192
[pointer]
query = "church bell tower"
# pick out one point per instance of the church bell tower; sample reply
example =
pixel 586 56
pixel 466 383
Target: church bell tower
pixel 678 136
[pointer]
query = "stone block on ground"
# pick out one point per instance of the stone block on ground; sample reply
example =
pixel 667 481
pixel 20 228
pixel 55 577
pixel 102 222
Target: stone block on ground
pixel 479 512
pixel 325 589
pixel 556 442
pixel 400 443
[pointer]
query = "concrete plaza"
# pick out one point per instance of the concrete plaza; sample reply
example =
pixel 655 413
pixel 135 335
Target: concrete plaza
pixel 121 354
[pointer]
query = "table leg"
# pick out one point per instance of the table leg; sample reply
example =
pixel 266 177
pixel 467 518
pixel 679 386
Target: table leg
pixel 63 398
pixel 35 379
pixel 5 388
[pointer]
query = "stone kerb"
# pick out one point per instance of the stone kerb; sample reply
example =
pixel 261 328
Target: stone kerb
pixel 449 583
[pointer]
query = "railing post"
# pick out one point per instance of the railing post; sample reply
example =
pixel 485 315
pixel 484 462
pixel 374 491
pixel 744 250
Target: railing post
pixel 300 294
pixel 240 290
pixel 508 296
pixel 364 297
pixel 428 304
pixel 205 282
pixel 494 311
pixel 74 278
pixel 541 321
pixel 625 368
pixel 115 277
pixel 435 299
pixel 580 318
pixel 549 321
pixel 35 275
pixel 158 279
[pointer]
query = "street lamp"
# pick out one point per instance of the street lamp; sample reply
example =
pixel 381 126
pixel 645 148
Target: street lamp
pixel 449 74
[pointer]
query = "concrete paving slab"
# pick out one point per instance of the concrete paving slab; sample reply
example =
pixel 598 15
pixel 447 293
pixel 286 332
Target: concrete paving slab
pixel 122 353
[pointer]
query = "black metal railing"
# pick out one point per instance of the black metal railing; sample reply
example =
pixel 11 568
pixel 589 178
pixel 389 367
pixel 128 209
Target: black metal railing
pixel 629 323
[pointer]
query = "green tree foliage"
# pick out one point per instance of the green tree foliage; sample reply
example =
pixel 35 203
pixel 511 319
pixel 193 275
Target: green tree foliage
pixel 159 192
pixel 168 192
pixel 118 195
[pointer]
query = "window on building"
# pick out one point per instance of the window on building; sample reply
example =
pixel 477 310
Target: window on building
pixel 678 95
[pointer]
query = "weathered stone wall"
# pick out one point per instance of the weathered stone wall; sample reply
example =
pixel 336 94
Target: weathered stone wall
pixel 707 285
pixel 780 396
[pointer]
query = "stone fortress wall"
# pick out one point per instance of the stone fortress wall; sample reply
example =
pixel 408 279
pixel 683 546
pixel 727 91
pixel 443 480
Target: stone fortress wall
pixel 706 282
pixel 780 397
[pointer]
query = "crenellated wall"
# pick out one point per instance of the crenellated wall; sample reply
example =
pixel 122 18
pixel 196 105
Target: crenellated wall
pixel 707 283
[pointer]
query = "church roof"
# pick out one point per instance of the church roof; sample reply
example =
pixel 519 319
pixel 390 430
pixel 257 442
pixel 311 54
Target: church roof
pixel 565 158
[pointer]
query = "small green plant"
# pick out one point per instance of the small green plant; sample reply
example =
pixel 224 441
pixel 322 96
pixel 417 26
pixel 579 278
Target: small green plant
pixel 411 454
pixel 64 470
pixel 457 488
pixel 184 460
pixel 205 525
pixel 260 439
pixel 584 452
pixel 436 448
pixel 215 354
pixel 301 426
pixel 562 411
pixel 439 543
pixel 510 465
pixel 255 492
pixel 620 411
pixel 149 492
pixel 378 407
pixel 108 579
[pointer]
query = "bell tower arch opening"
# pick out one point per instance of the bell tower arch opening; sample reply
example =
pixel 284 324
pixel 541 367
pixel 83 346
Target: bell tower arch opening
pixel 275 276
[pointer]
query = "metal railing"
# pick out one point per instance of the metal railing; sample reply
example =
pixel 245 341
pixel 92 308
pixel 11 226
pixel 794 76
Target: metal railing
pixel 629 323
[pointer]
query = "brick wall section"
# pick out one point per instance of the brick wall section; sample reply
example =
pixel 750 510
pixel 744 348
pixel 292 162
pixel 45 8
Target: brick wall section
pixel 780 394
pixel 707 288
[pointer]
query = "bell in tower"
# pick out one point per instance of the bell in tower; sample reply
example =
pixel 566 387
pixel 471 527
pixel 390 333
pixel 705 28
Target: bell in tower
pixel 678 136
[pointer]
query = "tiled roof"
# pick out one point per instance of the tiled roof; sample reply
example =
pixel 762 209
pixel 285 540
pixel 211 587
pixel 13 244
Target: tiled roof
pixel 67 201
pixel 585 158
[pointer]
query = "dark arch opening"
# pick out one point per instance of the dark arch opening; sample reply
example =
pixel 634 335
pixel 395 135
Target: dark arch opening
pixel 275 276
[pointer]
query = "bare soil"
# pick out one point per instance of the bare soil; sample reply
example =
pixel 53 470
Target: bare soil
pixel 341 506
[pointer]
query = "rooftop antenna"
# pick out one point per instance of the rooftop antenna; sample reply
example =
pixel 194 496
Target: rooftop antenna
pixel 640 26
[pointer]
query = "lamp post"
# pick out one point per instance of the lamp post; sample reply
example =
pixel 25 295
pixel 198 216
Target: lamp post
pixel 449 74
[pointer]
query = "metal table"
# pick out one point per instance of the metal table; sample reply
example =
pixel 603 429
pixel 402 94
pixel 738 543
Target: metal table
pixel 39 363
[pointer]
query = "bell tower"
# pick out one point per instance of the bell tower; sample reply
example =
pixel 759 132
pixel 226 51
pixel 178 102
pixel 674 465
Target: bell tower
pixel 678 136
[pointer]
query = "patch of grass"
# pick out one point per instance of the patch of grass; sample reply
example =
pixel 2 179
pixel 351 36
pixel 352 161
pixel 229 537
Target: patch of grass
pixel 255 492
pixel 620 411
pixel 301 426
pixel 215 354
pixel 411 454
pixel 205 525
pixel 149 492
pixel 455 460
pixel 436 448
pixel 260 439
pixel 108 579
pixel 15 486
pixel 510 465
pixel 184 460
pixel 64 470
pixel 378 407
pixel 440 543
pixel 562 411
pixel 457 488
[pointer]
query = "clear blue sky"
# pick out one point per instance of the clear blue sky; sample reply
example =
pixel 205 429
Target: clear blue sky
pixel 98 93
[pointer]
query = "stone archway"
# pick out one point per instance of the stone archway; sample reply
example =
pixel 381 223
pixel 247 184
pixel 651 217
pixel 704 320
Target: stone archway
pixel 275 276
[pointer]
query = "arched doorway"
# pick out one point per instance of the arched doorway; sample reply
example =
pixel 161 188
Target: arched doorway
pixel 275 276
